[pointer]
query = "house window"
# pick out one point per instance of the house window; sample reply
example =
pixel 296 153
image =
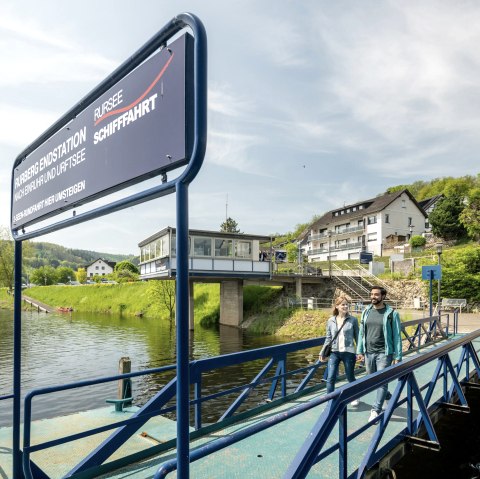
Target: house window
pixel 387 218
pixel 96 267
pixel 223 247
pixel 409 221
pixel 202 246
pixel 372 237
pixel 404 204
pixel 103 267
pixel 372 220
pixel 243 249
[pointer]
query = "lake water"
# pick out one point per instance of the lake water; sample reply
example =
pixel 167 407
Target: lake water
pixel 63 348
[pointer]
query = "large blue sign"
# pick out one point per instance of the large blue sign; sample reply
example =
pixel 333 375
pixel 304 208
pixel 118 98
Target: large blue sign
pixel 141 127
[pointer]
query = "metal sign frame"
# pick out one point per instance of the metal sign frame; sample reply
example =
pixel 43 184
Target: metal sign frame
pixel 179 186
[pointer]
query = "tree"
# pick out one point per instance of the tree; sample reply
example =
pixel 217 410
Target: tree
pixel 64 275
pixel 6 258
pixel 81 275
pixel 44 276
pixel 470 216
pixel 292 252
pixel 128 265
pixel 229 226
pixel 163 291
pixel 126 271
pixel 445 219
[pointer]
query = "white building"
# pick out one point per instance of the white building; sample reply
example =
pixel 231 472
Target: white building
pixel 100 267
pixel 211 254
pixel 368 225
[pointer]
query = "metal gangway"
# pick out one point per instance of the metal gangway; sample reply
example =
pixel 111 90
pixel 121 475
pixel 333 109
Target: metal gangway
pixel 280 424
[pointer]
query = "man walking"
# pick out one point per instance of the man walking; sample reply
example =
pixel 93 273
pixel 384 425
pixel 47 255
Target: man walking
pixel 379 341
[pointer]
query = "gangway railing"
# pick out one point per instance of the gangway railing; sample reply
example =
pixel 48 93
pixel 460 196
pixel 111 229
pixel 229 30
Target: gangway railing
pixel 336 412
pixel 272 387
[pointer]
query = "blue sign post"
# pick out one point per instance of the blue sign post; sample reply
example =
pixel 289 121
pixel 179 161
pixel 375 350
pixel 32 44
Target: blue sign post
pixel 430 273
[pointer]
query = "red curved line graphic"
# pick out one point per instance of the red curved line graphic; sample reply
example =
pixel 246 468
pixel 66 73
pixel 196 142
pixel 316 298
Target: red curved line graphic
pixel 141 97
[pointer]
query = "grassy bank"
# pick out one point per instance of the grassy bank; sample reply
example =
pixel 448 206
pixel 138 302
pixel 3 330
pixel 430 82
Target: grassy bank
pixel 6 300
pixel 262 313
pixel 128 299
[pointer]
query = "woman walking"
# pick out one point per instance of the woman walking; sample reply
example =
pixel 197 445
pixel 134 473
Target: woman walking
pixel 341 339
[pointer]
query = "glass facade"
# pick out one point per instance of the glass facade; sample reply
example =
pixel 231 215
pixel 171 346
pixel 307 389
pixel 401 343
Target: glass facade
pixel 198 246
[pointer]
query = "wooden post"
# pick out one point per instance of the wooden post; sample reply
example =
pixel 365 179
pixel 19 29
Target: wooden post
pixel 124 366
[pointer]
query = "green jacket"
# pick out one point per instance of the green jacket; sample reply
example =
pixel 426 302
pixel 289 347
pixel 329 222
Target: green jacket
pixel 391 331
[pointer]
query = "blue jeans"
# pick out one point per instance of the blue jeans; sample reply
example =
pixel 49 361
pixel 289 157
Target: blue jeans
pixel 376 362
pixel 348 360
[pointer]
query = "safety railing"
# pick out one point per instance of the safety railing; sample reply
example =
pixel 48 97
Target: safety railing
pixel 300 380
pixel 333 419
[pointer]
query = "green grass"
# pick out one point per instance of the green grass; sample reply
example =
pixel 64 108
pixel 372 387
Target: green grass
pixel 6 300
pixel 126 298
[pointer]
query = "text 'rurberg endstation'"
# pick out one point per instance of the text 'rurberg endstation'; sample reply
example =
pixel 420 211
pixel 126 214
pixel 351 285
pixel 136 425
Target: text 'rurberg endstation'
pixel 56 154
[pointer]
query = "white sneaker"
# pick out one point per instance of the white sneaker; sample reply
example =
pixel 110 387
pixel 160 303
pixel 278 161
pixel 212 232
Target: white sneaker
pixel 355 403
pixel 373 415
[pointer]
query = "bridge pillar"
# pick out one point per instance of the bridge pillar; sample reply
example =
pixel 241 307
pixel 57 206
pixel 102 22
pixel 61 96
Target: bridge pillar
pixel 298 287
pixel 231 302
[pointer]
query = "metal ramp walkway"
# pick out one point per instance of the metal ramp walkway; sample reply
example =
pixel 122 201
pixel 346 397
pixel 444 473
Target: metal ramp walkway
pixel 302 434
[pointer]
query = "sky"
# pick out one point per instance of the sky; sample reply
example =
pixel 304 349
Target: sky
pixel 312 104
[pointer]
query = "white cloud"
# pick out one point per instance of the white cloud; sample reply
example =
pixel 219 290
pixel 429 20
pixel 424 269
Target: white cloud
pixel 20 126
pixel 33 54
pixel 223 102
pixel 232 150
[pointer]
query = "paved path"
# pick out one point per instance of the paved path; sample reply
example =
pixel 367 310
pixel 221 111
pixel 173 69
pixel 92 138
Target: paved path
pixel 468 322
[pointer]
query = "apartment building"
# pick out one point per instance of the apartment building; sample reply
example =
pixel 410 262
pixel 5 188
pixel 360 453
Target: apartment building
pixel 368 225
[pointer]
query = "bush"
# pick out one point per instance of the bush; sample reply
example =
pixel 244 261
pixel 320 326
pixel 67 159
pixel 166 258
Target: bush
pixel 417 241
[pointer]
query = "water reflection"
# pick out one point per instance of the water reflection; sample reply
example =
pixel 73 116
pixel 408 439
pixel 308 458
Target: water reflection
pixel 62 348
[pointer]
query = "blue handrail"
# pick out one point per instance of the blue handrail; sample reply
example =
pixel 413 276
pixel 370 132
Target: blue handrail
pixel 336 408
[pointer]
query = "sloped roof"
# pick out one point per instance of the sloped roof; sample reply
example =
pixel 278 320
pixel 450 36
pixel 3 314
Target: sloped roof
pixel 373 205
pixel 110 263
pixel 425 204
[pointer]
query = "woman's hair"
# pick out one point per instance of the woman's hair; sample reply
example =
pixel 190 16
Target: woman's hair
pixel 339 301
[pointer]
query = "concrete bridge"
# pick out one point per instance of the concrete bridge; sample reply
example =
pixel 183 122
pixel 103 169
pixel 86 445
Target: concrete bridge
pixel 231 291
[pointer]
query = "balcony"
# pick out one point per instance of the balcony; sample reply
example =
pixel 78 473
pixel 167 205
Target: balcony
pixel 317 251
pixel 349 230
pixel 347 246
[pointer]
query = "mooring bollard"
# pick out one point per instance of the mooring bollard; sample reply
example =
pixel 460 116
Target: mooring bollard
pixel 124 389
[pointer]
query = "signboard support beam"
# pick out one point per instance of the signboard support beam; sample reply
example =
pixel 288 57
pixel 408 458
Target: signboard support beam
pixel 17 362
pixel 182 332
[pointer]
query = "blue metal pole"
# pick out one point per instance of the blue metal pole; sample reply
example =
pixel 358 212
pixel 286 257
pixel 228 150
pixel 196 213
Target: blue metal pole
pixel 17 361
pixel 183 379
pixel 431 303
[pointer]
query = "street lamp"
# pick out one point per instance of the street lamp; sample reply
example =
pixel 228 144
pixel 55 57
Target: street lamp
pixel 439 247
pixel 329 233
